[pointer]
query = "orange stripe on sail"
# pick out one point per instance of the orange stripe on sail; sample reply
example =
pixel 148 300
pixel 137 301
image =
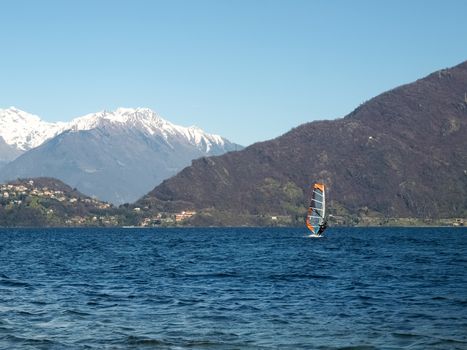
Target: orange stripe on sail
pixel 310 210
pixel 319 186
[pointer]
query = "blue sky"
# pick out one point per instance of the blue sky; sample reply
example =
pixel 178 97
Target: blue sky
pixel 248 70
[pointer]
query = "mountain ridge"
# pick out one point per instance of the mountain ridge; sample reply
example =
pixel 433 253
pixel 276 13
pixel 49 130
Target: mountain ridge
pixel 386 158
pixel 25 131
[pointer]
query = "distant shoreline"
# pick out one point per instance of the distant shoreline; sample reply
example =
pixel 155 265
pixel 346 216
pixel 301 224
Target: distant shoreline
pixel 223 227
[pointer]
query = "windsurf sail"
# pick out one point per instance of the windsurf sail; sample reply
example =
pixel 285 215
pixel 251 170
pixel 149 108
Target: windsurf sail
pixel 317 209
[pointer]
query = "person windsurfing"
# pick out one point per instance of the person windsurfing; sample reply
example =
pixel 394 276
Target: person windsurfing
pixel 316 214
pixel 322 227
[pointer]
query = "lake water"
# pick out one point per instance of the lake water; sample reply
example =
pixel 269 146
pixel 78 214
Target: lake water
pixel 237 288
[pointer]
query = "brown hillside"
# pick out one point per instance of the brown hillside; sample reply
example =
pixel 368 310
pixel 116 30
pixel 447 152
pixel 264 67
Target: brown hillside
pixel 401 154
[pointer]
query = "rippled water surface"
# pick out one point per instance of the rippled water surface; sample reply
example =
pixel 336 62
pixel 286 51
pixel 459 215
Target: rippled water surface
pixel 233 289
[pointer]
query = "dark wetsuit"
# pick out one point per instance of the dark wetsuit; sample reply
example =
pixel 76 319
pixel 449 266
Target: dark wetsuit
pixel 322 228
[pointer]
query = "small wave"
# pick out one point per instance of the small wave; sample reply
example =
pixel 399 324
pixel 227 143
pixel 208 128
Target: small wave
pixel 213 275
pixel 19 312
pixel 280 321
pixel 30 341
pixel 97 294
pixel 183 302
pixel 143 341
pixel 54 323
pixel 404 335
pixel 294 276
pixel 449 342
pixel 13 283
pixel 247 308
pixel 27 313
pixel 76 312
pixel 204 344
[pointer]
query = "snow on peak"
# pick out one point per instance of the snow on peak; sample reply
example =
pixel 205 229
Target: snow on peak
pixel 149 122
pixel 199 137
pixel 26 131
pixel 121 116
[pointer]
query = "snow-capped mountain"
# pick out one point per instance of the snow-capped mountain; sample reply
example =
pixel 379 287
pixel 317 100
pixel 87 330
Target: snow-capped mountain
pixel 25 131
pixel 148 122
pixel 117 156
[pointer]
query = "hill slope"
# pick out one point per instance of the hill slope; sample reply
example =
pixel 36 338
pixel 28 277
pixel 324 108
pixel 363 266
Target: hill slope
pixel 49 202
pixel 401 154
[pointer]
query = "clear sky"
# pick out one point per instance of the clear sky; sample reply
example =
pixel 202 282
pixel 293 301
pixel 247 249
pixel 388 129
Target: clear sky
pixel 247 70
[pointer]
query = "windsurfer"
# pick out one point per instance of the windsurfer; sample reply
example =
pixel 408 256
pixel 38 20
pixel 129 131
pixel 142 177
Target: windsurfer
pixel 322 227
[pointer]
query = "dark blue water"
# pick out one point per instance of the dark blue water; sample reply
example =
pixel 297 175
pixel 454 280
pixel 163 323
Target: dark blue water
pixel 233 289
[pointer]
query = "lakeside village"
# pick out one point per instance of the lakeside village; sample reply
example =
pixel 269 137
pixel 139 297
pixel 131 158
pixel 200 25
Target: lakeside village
pixel 27 203
pixel 15 195
pixel 71 208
